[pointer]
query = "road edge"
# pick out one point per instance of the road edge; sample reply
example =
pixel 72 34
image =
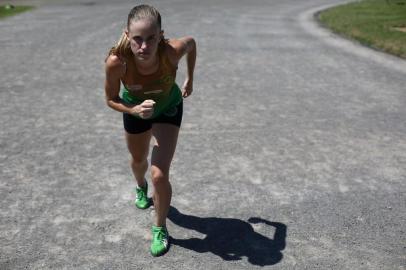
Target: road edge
pixel 308 21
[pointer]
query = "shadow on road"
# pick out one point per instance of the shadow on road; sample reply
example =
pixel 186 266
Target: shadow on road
pixel 231 239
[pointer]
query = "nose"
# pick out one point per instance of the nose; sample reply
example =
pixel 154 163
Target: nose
pixel 143 44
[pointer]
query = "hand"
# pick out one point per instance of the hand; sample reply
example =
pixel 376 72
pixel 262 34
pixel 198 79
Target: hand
pixel 187 88
pixel 144 110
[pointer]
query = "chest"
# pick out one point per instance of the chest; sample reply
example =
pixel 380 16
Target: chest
pixel 159 81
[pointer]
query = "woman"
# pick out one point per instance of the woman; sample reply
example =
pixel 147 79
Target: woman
pixel 152 105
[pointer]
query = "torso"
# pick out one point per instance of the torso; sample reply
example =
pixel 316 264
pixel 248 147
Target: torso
pixel 155 86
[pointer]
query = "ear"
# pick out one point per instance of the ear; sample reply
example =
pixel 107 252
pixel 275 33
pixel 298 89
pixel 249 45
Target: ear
pixel 161 35
pixel 126 34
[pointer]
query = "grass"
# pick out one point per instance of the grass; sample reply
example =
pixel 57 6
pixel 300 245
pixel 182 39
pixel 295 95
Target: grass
pixel 6 12
pixel 380 24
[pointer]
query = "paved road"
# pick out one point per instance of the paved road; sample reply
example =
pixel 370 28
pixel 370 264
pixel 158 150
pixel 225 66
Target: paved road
pixel 292 153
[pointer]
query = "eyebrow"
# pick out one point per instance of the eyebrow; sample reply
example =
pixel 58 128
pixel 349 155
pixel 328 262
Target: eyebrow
pixel 153 35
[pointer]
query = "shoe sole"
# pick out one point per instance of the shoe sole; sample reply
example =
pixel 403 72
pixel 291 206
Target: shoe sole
pixel 150 203
pixel 163 252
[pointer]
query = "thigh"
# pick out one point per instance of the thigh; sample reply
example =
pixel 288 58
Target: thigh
pixel 166 137
pixel 138 145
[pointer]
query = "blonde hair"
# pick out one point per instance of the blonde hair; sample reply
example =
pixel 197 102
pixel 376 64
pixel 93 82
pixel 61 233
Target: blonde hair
pixel 140 12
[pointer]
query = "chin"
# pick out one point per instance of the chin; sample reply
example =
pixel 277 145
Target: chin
pixel 143 57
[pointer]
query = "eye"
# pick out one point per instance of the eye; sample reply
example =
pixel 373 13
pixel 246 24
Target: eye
pixel 137 39
pixel 151 38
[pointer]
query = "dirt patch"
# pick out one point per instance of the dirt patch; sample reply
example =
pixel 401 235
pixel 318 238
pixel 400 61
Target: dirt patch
pixel 401 29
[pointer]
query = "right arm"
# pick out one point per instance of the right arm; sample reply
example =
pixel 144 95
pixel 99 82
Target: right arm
pixel 115 69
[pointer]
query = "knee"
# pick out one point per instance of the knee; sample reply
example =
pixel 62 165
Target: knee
pixel 138 161
pixel 158 176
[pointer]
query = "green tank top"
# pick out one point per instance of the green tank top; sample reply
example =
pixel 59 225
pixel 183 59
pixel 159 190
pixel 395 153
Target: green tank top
pixel 159 86
pixel 162 105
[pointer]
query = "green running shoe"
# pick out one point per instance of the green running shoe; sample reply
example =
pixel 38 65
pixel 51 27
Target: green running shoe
pixel 160 241
pixel 141 199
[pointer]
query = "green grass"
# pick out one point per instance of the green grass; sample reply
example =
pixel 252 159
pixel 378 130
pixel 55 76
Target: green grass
pixel 4 12
pixel 375 23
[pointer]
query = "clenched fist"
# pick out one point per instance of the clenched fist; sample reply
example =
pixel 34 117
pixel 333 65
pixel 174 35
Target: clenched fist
pixel 144 110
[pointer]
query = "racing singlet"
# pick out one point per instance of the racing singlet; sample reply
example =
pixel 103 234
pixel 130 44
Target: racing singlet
pixel 159 86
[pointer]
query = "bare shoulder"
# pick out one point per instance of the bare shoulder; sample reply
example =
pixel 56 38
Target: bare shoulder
pixel 115 65
pixel 177 48
pixel 182 45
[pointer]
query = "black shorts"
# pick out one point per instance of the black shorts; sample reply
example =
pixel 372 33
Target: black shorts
pixel 135 125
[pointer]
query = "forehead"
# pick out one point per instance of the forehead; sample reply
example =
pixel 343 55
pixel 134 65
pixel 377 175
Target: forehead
pixel 143 27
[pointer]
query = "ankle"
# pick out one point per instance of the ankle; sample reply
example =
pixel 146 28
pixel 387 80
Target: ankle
pixel 143 185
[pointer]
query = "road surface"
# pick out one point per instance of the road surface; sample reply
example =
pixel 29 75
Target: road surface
pixel 292 153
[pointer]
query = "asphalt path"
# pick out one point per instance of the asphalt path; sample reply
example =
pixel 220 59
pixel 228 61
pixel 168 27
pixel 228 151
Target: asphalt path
pixel 292 153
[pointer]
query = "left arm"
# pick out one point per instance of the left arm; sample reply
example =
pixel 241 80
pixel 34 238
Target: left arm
pixel 186 46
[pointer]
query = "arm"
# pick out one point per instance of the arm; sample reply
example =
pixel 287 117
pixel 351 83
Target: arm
pixel 191 61
pixel 115 69
pixel 186 46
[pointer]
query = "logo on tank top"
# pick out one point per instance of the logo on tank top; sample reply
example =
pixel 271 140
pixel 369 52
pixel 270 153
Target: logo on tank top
pixel 134 87
pixel 153 91
pixel 168 79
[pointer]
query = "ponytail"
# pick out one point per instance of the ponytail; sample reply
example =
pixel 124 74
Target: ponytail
pixel 122 47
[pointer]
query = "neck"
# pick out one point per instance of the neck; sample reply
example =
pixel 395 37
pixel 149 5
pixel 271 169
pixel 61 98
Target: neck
pixel 147 67
pixel 147 64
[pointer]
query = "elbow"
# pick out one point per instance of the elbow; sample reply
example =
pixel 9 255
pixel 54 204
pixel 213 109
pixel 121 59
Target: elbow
pixel 107 100
pixel 110 102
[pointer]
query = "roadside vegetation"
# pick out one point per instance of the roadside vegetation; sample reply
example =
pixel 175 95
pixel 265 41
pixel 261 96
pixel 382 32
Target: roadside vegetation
pixel 380 24
pixel 10 10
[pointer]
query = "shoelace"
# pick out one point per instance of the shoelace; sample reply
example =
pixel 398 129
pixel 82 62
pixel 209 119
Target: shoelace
pixel 140 194
pixel 161 235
